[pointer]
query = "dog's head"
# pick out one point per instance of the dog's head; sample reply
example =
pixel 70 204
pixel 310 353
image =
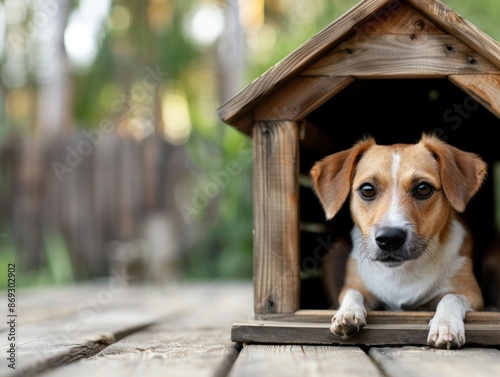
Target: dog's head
pixel 402 195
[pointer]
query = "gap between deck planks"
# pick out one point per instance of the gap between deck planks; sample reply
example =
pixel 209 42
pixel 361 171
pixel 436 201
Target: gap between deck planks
pixel 298 360
pixel 323 361
pixel 193 340
pixel 196 343
pixel 423 361
pixel 161 350
pixel 50 340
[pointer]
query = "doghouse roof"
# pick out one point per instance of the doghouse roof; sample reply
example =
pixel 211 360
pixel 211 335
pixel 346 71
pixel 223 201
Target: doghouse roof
pixel 374 39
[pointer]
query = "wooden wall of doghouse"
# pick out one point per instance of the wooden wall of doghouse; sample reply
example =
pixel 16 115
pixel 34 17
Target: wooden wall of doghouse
pixel 391 69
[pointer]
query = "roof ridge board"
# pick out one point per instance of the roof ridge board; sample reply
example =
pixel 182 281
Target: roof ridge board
pixel 340 29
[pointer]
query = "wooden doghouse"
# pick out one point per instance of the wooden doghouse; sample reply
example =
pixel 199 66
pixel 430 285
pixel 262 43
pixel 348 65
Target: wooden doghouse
pixel 391 69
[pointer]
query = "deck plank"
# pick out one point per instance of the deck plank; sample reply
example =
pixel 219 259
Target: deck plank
pixel 425 362
pixel 160 351
pixel 185 330
pixel 41 303
pixel 97 319
pixel 196 343
pixel 298 360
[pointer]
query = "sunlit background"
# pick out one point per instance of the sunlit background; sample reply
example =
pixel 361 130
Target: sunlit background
pixel 112 156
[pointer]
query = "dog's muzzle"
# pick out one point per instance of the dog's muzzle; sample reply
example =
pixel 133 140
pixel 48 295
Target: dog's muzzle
pixel 390 242
pixel 390 239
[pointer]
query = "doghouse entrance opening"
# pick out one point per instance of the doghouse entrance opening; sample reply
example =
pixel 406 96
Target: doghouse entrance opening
pixel 393 111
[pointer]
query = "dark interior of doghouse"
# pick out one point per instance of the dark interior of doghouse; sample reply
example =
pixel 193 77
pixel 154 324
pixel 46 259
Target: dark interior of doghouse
pixel 394 111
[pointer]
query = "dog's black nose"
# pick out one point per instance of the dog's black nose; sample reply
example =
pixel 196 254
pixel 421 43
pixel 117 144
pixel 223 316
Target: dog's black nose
pixel 390 239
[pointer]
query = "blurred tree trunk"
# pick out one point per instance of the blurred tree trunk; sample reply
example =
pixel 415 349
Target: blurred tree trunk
pixel 54 92
pixel 231 53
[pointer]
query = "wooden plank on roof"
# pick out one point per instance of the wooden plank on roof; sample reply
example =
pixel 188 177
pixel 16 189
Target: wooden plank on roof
pixel 485 89
pixel 418 361
pixel 300 96
pixel 298 360
pixel 244 101
pixel 368 17
pixel 371 335
pixel 245 124
pixel 456 25
pixel 401 56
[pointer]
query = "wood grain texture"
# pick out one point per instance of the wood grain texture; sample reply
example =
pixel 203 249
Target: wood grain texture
pixel 459 27
pixel 90 318
pixel 191 339
pixel 35 304
pixel 161 350
pixel 190 335
pixel 276 217
pixel 401 56
pixel 379 317
pixel 61 341
pixel 370 335
pixel 398 18
pixel 483 88
pixel 414 19
pixel 315 333
pixel 65 324
pixel 300 96
pixel 254 93
pixel 424 361
pixel 298 360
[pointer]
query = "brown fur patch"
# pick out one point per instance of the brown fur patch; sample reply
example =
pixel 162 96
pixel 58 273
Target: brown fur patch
pixel 353 280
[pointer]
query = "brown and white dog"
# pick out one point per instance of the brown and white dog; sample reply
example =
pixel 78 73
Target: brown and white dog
pixel 411 251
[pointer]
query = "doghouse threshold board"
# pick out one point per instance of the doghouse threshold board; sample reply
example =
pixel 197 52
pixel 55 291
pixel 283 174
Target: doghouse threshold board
pixel 382 328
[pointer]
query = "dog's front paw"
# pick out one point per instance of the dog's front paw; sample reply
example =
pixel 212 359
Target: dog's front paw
pixel 348 322
pixel 447 334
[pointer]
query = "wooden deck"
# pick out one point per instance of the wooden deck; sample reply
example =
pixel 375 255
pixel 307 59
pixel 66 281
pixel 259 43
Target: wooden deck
pixel 110 328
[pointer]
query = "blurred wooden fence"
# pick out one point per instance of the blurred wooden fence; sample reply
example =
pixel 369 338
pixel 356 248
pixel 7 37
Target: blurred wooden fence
pixel 110 198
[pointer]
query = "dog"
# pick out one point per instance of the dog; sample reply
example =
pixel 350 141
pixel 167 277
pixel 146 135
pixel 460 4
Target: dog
pixel 411 249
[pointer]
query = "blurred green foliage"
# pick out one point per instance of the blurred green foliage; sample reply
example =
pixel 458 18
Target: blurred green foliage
pixel 57 268
pixel 154 35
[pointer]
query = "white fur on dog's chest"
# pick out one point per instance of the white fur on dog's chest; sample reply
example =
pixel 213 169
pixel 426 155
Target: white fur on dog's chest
pixel 399 290
pixel 417 282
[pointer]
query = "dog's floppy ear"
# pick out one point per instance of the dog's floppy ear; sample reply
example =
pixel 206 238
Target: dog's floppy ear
pixel 332 176
pixel 462 173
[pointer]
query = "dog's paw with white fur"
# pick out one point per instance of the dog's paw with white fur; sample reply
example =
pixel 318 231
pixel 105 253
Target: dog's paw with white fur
pixel 350 317
pixel 446 333
pixel 348 321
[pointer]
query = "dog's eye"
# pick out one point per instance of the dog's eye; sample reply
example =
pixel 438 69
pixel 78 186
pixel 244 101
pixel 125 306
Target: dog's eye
pixel 367 191
pixel 423 191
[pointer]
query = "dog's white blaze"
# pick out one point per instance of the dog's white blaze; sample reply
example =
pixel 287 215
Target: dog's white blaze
pixel 396 161
pixel 395 216
pixel 416 282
